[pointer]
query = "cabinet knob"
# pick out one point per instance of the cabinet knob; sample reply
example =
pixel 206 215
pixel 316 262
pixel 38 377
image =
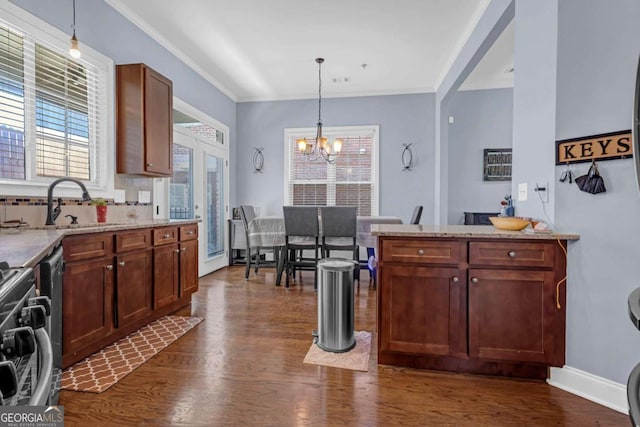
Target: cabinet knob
pixel 177 251
pixel 109 267
pixel 420 252
pixel 455 279
pixel 166 236
pixel 149 165
pixel 474 280
pixel 121 263
pixel 183 249
pixel 512 254
pixel 189 233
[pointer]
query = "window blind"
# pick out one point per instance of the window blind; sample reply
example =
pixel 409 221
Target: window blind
pixel 350 181
pixel 48 102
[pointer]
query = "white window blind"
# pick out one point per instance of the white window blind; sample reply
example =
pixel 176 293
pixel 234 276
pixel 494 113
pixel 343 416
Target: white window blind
pixel 350 181
pixel 51 111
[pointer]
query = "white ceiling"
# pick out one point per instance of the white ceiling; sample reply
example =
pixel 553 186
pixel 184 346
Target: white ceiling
pixel 265 50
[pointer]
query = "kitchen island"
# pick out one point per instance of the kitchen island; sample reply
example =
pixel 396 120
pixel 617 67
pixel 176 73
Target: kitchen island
pixel 471 299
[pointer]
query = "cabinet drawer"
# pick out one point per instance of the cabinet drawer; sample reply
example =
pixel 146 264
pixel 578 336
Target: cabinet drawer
pixel 87 246
pixel 165 235
pixel 188 232
pixel 517 254
pixel 131 240
pixel 423 251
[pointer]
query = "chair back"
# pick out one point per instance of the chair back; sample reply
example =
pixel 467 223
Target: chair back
pixel 247 213
pixel 338 221
pixel 300 221
pixel 417 213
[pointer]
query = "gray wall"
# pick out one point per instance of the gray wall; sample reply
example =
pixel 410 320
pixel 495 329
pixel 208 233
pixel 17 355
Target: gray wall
pixel 102 28
pixel 402 119
pixel 596 79
pixel 482 119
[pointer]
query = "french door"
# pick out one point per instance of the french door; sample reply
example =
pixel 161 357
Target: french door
pixel 198 190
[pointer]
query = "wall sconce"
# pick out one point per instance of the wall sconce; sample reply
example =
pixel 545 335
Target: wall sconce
pixel 407 157
pixel 258 160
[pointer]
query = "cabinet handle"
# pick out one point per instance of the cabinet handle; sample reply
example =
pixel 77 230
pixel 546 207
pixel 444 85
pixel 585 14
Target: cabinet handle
pixel 166 236
pixel 149 165
pixel 455 279
pixel 189 233
pixel 177 251
pixel 121 263
pixel 420 252
pixel 474 280
pixel 512 254
pixel 109 267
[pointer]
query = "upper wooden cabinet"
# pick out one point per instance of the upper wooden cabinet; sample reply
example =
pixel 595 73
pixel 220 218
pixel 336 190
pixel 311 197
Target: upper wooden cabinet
pixel 144 121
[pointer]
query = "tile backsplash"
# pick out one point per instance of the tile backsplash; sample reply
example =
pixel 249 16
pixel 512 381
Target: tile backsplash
pixel 33 210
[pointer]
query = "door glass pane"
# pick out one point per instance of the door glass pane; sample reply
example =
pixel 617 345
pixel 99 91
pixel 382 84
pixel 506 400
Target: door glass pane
pixel 215 206
pixel 181 184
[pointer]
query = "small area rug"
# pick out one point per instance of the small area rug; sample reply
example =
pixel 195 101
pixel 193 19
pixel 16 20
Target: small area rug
pixel 356 359
pixel 101 370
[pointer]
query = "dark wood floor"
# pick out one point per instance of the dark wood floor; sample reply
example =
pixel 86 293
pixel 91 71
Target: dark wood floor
pixel 243 366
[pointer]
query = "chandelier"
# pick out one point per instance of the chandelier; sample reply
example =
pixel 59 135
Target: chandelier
pixel 321 148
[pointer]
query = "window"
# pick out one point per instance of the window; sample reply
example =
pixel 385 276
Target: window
pixel 351 181
pixel 55 114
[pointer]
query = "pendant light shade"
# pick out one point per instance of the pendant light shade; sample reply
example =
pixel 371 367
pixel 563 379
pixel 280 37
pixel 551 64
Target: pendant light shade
pixel 74 51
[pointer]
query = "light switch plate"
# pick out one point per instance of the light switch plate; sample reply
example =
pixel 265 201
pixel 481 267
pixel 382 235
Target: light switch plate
pixel 118 196
pixel 144 196
pixel 522 192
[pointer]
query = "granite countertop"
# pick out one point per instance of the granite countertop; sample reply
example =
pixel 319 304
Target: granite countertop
pixel 461 231
pixel 25 247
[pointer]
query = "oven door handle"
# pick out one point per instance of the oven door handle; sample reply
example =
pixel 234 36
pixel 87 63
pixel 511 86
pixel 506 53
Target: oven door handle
pixel 40 394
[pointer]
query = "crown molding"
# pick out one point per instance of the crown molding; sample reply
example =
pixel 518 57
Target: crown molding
pixel 120 7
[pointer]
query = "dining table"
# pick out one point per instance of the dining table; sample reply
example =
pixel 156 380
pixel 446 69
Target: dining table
pixel 268 231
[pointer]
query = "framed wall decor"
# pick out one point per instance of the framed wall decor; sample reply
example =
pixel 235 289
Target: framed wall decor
pixel 497 164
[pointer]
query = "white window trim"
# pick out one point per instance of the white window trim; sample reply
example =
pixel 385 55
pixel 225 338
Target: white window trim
pixel 374 130
pixel 105 157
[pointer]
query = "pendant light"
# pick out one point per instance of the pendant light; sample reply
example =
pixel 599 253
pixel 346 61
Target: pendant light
pixel 321 148
pixel 74 51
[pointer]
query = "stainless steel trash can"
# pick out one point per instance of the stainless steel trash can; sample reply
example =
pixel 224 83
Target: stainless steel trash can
pixel 335 305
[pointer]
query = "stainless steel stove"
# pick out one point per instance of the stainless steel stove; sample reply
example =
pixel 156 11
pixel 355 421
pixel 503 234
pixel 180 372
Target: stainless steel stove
pixel 25 348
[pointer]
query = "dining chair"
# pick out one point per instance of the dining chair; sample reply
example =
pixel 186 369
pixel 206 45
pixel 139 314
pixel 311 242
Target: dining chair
pixel 417 213
pixel 301 233
pixel 256 254
pixel 339 227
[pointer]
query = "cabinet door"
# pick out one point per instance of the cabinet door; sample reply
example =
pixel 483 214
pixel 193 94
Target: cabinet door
pixel 87 311
pixel 165 275
pixel 512 315
pixel 422 310
pixel 188 267
pixel 158 123
pixel 133 287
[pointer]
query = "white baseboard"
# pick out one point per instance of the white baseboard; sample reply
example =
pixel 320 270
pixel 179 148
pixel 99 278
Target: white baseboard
pixel 597 389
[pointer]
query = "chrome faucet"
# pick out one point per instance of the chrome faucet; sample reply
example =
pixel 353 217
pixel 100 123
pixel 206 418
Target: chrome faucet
pixel 52 214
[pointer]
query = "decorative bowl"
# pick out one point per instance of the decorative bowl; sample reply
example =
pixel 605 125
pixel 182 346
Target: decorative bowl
pixel 509 222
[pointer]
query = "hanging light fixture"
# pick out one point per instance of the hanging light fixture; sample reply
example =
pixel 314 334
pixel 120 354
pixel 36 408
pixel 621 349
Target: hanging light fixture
pixel 321 148
pixel 74 51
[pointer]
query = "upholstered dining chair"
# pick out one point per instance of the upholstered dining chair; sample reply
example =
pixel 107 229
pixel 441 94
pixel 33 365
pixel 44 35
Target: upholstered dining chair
pixel 417 213
pixel 301 233
pixel 255 254
pixel 339 227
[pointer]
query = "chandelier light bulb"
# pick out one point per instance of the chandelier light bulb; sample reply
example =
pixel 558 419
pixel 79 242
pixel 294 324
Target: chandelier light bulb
pixel 74 51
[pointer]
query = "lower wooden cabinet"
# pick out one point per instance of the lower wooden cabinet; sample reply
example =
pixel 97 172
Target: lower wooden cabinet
pixel 116 282
pixel 472 305
pixel 87 306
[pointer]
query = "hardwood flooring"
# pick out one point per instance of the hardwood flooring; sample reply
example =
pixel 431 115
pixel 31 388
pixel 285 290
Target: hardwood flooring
pixel 243 366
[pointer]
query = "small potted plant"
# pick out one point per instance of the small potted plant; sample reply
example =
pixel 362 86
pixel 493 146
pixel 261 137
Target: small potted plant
pixel 101 208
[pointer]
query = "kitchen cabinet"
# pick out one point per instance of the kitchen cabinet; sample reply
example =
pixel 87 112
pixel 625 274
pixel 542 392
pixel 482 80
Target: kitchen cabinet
pixel 116 282
pixel 471 305
pixel 144 121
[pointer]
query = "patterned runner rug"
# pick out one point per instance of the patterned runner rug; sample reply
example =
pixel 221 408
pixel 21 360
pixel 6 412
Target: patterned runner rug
pixel 356 359
pixel 101 370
